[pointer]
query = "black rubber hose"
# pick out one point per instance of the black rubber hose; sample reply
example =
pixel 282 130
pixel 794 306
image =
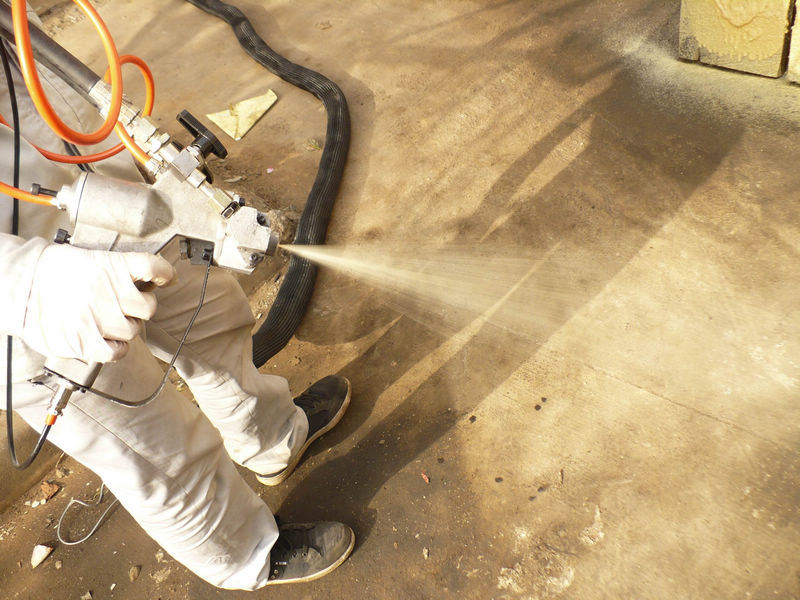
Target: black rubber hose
pixel 59 60
pixel 295 292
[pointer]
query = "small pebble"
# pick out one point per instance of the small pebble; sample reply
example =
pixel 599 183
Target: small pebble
pixel 473 418
pixel 425 553
pixel 59 564
pixel 133 572
pixel 49 489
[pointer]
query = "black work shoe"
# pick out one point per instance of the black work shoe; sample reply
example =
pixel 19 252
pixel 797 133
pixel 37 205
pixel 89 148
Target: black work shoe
pixel 307 551
pixel 324 404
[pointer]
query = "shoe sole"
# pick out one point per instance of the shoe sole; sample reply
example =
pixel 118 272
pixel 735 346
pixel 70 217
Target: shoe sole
pixel 325 571
pixel 281 477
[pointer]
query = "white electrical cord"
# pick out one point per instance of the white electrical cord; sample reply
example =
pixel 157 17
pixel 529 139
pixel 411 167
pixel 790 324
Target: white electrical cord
pixel 82 503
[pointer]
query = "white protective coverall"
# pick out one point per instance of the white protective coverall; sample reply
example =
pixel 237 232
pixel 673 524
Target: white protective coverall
pixel 169 463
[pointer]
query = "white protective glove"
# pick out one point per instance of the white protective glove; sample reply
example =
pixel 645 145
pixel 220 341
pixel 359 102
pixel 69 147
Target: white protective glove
pixel 85 304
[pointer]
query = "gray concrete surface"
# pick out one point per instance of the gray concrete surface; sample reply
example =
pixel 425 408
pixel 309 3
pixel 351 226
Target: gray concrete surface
pixel 664 461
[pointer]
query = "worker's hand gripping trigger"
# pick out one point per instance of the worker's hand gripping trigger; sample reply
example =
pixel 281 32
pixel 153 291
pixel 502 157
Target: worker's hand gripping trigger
pixel 84 309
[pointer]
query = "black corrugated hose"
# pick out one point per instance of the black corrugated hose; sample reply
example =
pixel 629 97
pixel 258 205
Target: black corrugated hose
pixel 295 292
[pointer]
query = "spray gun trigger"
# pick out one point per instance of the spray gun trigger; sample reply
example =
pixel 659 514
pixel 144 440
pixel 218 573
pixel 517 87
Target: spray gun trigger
pixel 199 252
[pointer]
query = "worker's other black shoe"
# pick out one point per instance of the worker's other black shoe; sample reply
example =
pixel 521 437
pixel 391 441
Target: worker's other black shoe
pixel 324 404
pixel 307 551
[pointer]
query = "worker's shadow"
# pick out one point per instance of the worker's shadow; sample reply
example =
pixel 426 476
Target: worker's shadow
pixel 642 158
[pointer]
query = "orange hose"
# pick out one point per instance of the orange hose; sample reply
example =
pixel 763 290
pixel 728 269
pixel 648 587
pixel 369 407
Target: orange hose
pixel 74 160
pixel 147 110
pixel 23 195
pixel 149 81
pixel 43 106
pixel 150 93
pixel 132 147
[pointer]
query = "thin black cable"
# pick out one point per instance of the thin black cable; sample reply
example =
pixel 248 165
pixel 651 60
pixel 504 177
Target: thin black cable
pixel 72 150
pixel 17 138
pixel 15 231
pixel 159 389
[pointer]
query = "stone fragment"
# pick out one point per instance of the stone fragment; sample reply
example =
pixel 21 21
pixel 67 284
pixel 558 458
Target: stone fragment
pixel 745 35
pixel 161 575
pixel 49 489
pixel 40 552
pixel 133 572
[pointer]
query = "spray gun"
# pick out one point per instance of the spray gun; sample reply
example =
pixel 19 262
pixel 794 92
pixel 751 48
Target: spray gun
pixel 214 226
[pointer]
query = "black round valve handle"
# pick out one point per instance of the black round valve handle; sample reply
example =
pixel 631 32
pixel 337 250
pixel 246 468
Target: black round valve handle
pixel 205 141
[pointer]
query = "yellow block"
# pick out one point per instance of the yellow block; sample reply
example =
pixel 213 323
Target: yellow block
pixel 745 35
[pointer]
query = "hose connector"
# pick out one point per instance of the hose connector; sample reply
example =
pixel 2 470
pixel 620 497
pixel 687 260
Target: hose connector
pixel 59 401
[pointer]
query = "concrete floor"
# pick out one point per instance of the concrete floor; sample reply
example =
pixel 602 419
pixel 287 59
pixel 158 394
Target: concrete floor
pixel 664 461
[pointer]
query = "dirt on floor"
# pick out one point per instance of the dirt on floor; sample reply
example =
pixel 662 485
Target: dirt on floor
pixel 640 442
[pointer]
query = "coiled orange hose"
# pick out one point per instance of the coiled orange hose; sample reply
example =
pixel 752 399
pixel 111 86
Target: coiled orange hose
pixel 150 95
pixel 147 110
pixel 28 67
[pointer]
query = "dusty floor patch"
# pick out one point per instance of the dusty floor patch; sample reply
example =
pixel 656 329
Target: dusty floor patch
pixel 643 441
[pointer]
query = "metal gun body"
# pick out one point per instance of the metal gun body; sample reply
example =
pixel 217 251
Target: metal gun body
pixel 182 202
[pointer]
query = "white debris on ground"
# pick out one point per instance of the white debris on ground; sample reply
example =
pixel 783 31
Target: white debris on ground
pixel 40 552
pixel 593 534
pixel 239 118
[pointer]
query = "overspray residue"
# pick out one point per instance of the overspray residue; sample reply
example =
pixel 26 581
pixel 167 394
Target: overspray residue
pixel 524 291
